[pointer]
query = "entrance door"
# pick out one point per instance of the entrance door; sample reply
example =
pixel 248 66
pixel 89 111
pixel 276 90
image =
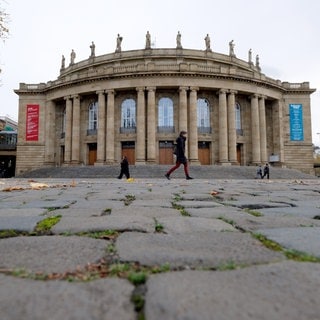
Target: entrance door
pixel 128 150
pixel 239 147
pixel 166 152
pixel 92 153
pixel 204 152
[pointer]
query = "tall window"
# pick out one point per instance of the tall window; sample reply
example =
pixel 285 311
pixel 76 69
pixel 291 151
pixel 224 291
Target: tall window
pixel 93 118
pixel 165 113
pixel 64 120
pixel 203 115
pixel 238 119
pixel 238 116
pixel 128 114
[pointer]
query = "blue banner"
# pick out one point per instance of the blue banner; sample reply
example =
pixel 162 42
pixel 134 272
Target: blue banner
pixel 296 122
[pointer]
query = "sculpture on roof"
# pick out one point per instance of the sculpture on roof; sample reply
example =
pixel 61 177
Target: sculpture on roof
pixel 72 57
pixel 148 40
pixel 179 46
pixel 93 49
pixel 207 41
pixel 119 41
pixel 231 49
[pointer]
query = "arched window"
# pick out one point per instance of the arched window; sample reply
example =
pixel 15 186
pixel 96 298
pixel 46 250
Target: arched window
pixel 93 117
pixel 128 115
pixel 238 118
pixel 165 115
pixel 203 116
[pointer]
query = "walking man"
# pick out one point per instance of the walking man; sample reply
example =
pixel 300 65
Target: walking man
pixel 124 168
pixel 181 158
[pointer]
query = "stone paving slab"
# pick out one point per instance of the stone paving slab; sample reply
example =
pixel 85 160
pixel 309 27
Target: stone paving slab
pixel 304 239
pixel 305 210
pixel 26 212
pixel 199 204
pixel 50 253
pixel 205 249
pixel 93 224
pixel 55 300
pixel 17 223
pixel 180 225
pixel 281 291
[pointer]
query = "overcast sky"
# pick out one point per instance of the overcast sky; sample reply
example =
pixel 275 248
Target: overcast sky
pixel 285 34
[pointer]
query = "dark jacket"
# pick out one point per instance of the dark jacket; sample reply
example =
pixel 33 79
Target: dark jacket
pixel 181 148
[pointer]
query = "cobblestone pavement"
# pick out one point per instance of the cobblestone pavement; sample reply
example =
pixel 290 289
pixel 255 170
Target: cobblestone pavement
pixel 159 249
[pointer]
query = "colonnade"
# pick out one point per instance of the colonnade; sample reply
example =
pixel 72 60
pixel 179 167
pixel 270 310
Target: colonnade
pixel 146 146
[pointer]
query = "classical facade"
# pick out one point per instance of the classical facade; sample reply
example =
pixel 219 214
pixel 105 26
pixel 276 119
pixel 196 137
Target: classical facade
pixel 136 102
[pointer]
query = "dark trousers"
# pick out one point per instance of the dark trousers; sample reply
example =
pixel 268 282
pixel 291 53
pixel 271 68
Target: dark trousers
pixel 125 172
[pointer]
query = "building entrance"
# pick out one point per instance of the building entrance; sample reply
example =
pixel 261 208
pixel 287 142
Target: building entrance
pixel 92 153
pixel 204 152
pixel 165 152
pixel 128 150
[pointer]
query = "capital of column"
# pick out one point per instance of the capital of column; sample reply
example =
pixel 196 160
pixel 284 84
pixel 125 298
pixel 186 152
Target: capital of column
pixel 194 88
pixel 100 92
pixel 67 97
pixel 139 89
pixel 110 91
pixel 183 89
pixel 222 91
pixel 150 89
pixel 254 96
pixel 233 91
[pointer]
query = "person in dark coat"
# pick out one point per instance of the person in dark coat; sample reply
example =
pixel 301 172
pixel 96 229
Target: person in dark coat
pixel 124 168
pixel 266 171
pixel 180 154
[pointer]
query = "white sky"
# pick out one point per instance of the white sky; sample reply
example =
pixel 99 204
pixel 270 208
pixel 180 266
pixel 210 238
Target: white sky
pixel 285 34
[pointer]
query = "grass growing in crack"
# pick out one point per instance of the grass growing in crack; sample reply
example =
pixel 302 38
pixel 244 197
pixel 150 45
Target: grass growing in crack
pixel 45 225
pixel 137 278
pixel 9 234
pixel 289 253
pixel 106 234
pixel 180 208
pixel 230 265
pixel 129 198
pixel 177 197
pixel 253 212
pixel 158 227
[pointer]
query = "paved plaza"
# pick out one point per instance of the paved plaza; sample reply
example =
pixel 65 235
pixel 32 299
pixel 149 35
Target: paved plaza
pixel 153 249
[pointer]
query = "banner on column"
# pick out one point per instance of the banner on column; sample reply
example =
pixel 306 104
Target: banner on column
pixel 32 118
pixel 296 122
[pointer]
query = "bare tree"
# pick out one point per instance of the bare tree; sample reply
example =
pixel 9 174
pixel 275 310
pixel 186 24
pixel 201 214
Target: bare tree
pixel 4 18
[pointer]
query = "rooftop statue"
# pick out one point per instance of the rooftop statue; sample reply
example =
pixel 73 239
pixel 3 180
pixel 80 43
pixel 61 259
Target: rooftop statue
pixel 119 41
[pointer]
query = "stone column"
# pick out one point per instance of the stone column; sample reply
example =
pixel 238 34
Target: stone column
pixel 255 131
pixel 75 156
pixel 183 110
pixel 68 133
pixel 50 133
pixel 141 127
pixel 232 134
pixel 223 127
pixel 110 149
pixel 101 138
pixel 151 125
pixel 263 130
pixel 193 127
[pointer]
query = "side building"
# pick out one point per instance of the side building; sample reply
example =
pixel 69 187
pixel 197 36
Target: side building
pixel 136 102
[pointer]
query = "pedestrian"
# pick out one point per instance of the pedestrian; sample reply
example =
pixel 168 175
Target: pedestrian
pixel 124 164
pixel 259 172
pixel 266 171
pixel 180 154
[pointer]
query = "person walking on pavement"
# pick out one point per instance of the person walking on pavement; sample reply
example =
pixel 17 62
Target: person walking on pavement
pixel 266 171
pixel 124 168
pixel 180 154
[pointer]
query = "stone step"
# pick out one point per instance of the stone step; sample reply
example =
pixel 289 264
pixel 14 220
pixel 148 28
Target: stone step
pixel 158 171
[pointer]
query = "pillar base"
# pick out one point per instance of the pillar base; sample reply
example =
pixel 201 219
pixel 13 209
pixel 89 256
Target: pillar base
pixel 99 163
pixel 225 163
pixel 195 162
pixel 140 162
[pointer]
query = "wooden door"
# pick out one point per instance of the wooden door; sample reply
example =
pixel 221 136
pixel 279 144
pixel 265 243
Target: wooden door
pixel 166 152
pixel 92 158
pixel 128 150
pixel 239 153
pixel 204 153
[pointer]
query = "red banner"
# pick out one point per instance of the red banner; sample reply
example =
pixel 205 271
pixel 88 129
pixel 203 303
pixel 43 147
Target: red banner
pixel 32 127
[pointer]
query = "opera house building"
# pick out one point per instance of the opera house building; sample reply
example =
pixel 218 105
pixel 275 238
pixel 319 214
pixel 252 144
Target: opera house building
pixel 136 102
